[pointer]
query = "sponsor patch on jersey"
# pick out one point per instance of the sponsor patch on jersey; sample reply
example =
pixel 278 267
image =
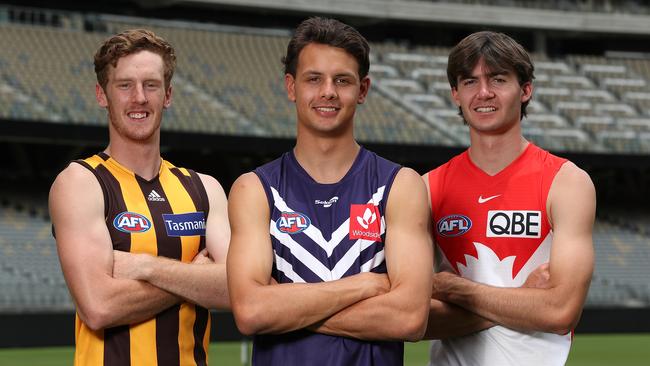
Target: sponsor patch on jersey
pixel 131 222
pixel 185 224
pixel 454 225
pixel 365 222
pixel 514 224
pixel 292 222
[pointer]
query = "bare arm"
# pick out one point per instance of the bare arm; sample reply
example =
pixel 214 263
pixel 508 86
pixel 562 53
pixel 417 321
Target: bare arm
pixel 260 306
pixel 401 313
pixel 448 320
pixel 557 308
pixel 201 282
pixel 86 255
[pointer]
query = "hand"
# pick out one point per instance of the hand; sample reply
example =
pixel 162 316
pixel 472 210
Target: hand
pixel 539 278
pixel 442 282
pixel 128 265
pixel 376 283
pixel 202 257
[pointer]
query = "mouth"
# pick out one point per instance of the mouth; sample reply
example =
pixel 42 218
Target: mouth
pixel 138 115
pixel 326 109
pixel 485 109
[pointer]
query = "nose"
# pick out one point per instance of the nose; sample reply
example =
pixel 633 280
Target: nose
pixel 328 89
pixel 485 92
pixel 138 94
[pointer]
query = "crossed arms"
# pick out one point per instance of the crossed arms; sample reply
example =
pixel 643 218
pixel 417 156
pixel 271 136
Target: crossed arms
pixel 113 288
pixel 365 306
pixel 551 300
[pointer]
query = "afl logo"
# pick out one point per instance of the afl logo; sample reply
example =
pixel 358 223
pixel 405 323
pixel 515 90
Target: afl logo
pixel 131 222
pixel 292 222
pixel 454 225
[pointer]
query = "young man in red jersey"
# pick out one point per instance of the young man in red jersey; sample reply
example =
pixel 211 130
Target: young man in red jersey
pixel 512 223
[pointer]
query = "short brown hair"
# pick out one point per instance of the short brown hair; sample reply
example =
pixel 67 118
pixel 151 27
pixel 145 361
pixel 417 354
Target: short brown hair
pixel 129 42
pixel 500 54
pixel 330 32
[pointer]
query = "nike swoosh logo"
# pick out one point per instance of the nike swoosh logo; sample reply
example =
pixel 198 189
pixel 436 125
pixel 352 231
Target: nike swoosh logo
pixel 483 200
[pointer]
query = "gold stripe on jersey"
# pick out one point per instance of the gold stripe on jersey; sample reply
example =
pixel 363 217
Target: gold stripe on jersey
pixel 144 242
pixel 181 202
pixel 90 348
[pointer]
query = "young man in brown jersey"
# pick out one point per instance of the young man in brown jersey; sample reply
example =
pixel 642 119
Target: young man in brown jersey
pixel 142 243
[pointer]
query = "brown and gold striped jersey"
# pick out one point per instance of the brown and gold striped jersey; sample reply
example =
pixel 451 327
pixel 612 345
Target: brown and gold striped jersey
pixel 164 216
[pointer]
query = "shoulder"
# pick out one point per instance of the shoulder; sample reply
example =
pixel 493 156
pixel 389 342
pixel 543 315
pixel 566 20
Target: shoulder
pixel 76 189
pixel 408 185
pixel 572 190
pixel 210 183
pixel 247 185
pixel 73 177
pixel 571 175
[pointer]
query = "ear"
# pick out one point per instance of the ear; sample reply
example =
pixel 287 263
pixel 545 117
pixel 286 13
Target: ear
pixel 290 86
pixel 364 88
pixel 454 96
pixel 526 92
pixel 168 97
pixel 100 96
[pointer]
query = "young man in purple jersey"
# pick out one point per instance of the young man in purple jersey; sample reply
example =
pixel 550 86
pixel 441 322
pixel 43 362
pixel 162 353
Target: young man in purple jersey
pixel 330 257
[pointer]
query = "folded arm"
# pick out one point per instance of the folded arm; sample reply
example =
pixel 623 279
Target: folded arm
pixel 203 281
pixel 262 306
pixel 556 308
pixel 401 313
pixel 86 254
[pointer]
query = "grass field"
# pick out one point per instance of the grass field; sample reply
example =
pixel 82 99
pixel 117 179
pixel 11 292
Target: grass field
pixel 592 350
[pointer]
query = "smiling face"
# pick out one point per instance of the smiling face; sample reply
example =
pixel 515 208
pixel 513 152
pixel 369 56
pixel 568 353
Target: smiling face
pixel 135 96
pixel 490 102
pixel 326 89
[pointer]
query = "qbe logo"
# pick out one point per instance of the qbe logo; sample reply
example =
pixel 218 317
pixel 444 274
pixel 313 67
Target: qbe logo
pixel 131 222
pixel 514 224
pixel 292 222
pixel 365 222
pixel 454 225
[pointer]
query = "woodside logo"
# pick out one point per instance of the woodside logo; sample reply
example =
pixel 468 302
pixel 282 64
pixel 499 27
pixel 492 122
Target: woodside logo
pixel 365 222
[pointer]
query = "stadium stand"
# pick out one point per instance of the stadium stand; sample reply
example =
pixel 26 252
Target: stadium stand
pixel 30 275
pixel 229 82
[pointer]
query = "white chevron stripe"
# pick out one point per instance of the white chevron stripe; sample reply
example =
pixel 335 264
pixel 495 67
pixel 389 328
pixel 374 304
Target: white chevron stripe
pixel 301 253
pixel 286 268
pixel 374 262
pixel 314 233
pixel 353 253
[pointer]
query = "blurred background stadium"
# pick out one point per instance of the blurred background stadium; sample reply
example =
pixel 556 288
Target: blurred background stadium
pixel 230 114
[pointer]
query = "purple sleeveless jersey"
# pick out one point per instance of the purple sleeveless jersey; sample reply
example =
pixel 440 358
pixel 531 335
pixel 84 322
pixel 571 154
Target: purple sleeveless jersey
pixel 324 232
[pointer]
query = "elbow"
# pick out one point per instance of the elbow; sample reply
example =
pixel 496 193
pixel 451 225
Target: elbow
pixel 563 322
pixel 249 318
pixel 95 317
pixel 414 325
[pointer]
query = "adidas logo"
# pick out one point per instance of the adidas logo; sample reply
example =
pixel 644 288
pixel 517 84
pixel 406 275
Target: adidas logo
pixel 154 196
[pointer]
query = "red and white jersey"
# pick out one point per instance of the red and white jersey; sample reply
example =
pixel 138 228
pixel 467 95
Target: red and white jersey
pixel 495 230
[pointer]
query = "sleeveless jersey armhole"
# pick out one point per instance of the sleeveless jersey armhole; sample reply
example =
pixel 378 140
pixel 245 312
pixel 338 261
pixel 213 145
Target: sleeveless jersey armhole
pixel 267 190
pixel 101 184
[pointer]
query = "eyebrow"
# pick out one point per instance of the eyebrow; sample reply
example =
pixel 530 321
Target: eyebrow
pixel 341 74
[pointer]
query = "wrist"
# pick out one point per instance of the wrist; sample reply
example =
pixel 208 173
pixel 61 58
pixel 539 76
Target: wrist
pixel 145 267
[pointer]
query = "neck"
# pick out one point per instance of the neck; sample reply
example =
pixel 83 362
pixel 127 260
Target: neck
pixel 493 153
pixel 326 160
pixel 142 158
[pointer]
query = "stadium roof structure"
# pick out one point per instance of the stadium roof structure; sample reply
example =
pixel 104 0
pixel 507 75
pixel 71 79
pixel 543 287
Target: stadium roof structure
pixel 443 12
